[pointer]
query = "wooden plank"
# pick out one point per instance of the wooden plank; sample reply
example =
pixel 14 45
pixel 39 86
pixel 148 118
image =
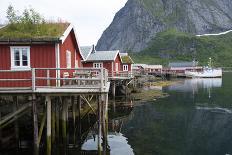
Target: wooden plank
pixel 8 117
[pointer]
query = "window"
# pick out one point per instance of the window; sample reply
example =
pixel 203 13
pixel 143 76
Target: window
pixel 125 67
pixel 116 67
pixel 20 58
pixel 97 65
pixel 68 59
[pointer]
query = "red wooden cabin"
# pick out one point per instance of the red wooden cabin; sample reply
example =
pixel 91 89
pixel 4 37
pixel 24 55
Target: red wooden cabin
pixel 109 60
pixel 126 62
pixel 56 49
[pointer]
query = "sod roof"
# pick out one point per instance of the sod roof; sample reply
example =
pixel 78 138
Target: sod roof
pixel 45 31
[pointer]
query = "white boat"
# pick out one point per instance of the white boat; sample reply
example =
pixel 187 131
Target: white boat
pixel 205 73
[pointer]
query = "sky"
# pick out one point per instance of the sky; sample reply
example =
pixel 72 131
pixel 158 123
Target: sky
pixel 89 17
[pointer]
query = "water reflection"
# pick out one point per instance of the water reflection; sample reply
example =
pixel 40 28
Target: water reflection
pixel 117 144
pixel 191 85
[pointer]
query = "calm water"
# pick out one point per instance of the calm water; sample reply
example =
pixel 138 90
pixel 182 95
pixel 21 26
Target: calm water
pixel 196 119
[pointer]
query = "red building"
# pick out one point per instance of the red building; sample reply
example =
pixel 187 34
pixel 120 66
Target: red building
pixel 55 49
pixel 126 62
pixel 110 60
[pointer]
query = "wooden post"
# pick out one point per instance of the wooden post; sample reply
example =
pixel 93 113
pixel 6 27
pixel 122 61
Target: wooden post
pixel 64 123
pixel 53 123
pixel 49 145
pixel 113 88
pixel 35 125
pixel 33 79
pixel 79 119
pixel 16 125
pixel 57 121
pixel 103 124
pixel 48 76
pixel 99 125
pixel 0 130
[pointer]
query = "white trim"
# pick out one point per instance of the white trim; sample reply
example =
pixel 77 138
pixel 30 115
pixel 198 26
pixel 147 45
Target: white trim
pixel 117 55
pixel 57 53
pixel 66 33
pixel 21 67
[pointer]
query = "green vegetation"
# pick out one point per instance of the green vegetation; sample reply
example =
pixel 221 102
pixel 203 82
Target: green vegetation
pixel 30 25
pixel 172 46
pixel 127 59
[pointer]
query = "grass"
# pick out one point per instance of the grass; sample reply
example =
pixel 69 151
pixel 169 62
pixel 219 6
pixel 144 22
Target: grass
pixel 45 30
pixel 172 45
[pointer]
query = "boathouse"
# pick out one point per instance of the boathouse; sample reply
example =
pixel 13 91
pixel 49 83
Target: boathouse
pixel 126 62
pixel 181 67
pixel 44 65
pixel 110 60
pixel 57 47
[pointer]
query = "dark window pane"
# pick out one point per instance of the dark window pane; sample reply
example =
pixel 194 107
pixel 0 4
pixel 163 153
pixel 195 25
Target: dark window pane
pixel 25 63
pixel 24 54
pixel 16 55
pixel 17 63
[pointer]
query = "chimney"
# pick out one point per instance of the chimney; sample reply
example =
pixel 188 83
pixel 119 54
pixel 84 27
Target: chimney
pixel 93 49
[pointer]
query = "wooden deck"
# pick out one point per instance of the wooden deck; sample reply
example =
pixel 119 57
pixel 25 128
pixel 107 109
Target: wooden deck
pixel 45 81
pixel 122 75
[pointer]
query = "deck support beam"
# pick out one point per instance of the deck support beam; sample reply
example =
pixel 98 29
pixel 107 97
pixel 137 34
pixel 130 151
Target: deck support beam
pixel 113 88
pixel 49 145
pixel 35 125
pixel 57 120
pixel 99 125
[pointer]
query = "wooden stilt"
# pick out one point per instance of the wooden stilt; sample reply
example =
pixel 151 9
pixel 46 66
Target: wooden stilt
pixel 64 121
pixel 35 125
pixel 53 122
pixel 16 125
pixel 42 125
pixel 79 119
pixel 99 125
pixel 113 88
pixel 49 147
pixel 0 130
pixel 103 124
pixel 57 121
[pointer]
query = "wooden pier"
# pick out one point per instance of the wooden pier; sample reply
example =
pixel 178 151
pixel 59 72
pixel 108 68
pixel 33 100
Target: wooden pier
pixel 70 89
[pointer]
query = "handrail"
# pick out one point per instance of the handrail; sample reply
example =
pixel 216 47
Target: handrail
pixel 46 77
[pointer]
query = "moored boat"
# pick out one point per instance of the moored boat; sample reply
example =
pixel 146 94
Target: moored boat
pixel 205 73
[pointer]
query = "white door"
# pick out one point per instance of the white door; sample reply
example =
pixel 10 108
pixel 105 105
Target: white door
pixel 68 59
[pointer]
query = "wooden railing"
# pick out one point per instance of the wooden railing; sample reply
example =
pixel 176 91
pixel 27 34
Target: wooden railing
pixel 121 74
pixel 80 78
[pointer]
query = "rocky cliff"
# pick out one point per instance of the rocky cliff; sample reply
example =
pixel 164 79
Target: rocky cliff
pixel 139 21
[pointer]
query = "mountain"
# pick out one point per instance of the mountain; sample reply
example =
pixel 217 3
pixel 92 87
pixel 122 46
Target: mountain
pixel 137 24
pixel 172 45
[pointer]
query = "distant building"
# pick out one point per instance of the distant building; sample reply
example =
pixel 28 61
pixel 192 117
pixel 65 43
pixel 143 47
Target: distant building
pixel 110 60
pixel 153 68
pixel 126 62
pixel 181 67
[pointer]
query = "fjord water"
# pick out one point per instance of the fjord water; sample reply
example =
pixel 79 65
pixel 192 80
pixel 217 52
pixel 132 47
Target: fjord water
pixel 196 119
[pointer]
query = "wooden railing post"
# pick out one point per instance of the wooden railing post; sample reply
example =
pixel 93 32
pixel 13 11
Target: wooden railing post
pixel 48 77
pixel 102 76
pixel 33 79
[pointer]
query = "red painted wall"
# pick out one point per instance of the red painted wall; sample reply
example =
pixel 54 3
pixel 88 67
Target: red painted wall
pixel 70 44
pixel 42 56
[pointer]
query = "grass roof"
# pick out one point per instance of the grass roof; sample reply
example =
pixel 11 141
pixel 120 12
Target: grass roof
pixel 33 31
pixel 127 59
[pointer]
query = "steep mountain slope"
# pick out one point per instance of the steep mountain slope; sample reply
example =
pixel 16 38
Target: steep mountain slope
pixel 139 21
pixel 172 45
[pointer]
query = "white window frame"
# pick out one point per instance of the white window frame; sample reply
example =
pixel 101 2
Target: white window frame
pixel 20 67
pixel 98 65
pixel 68 59
pixel 125 67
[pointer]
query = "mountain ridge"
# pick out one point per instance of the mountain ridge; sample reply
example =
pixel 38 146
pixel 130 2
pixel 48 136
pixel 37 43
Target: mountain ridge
pixel 139 21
